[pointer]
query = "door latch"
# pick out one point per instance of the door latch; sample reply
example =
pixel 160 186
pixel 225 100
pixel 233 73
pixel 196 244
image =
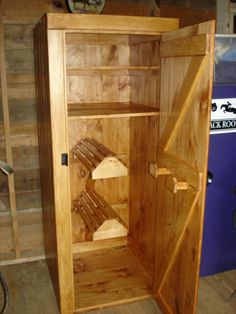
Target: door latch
pixel 64 159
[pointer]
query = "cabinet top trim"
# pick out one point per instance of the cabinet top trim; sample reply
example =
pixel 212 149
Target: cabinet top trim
pixel 111 23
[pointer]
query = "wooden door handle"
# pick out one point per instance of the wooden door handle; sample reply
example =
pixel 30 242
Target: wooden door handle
pixel 156 171
pixel 174 186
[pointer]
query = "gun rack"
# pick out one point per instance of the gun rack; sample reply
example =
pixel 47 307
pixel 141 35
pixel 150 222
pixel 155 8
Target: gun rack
pixel 100 219
pixel 98 159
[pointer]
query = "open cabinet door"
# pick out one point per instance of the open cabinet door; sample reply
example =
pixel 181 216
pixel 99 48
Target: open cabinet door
pixel 185 105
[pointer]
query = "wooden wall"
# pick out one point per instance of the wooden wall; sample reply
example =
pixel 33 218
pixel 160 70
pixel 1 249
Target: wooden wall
pixel 189 11
pixel 17 22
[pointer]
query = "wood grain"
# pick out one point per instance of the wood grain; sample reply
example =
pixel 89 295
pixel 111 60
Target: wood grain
pixel 112 24
pixel 6 123
pixel 109 110
pixel 108 277
pixel 187 46
pixel 182 230
pixel 61 181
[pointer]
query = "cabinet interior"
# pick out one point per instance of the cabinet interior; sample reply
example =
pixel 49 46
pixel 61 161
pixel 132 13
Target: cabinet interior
pixel 113 100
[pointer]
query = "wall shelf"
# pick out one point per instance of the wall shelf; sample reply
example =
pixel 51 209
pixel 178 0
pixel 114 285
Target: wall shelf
pixel 100 218
pixel 109 110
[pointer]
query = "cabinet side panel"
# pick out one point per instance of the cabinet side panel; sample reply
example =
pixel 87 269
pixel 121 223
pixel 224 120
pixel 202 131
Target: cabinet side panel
pixel 143 147
pixel 45 151
pixel 59 128
pixel 142 187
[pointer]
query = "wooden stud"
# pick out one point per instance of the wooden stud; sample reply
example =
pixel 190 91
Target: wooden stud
pixel 9 159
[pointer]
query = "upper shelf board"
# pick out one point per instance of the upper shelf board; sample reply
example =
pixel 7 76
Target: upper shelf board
pixel 109 110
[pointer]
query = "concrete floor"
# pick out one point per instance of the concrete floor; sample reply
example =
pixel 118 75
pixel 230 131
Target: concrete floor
pixel 31 293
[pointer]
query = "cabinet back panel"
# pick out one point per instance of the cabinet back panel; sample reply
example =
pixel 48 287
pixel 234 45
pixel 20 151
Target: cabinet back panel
pixel 145 88
pixel 93 55
pixel 114 134
pixel 94 72
pixel 98 88
pixel 145 54
pixel 73 38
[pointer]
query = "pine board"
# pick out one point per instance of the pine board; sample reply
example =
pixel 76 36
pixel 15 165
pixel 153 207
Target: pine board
pixel 108 277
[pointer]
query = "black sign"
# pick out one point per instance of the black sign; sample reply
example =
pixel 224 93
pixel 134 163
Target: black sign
pixel 223 124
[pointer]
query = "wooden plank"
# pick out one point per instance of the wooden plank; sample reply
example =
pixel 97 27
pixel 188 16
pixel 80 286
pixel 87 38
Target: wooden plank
pixel 183 101
pixel 177 236
pixel 188 14
pixel 20 78
pixel 85 217
pixel 21 135
pixel 192 30
pixel 58 109
pixel 22 260
pixel 115 271
pixel 30 233
pixel 142 188
pixel 99 244
pixel 104 70
pixel 46 173
pixel 19 36
pixel 137 40
pixel 96 39
pixel 6 122
pixel 187 46
pixel 109 23
pixel 109 110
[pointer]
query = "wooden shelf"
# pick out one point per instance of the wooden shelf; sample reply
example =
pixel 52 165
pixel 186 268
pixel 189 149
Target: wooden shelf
pixel 109 110
pixel 100 218
pixel 107 70
pixel 113 276
pixel 99 160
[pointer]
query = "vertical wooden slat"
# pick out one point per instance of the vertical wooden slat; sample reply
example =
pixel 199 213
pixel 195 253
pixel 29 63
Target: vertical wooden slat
pixel 6 122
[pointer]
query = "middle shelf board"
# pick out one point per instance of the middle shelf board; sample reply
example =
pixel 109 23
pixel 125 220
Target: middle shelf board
pixel 109 110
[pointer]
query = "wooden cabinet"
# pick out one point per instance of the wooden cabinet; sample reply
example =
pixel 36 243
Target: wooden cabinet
pixel 123 119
